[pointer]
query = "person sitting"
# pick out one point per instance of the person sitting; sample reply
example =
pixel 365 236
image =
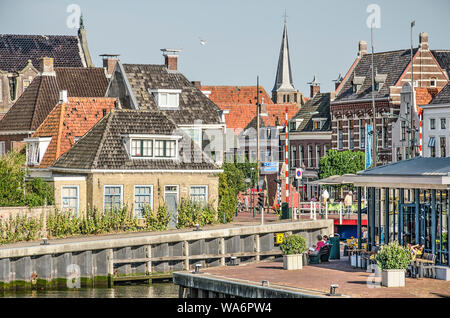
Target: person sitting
pixel 326 240
pixel 314 250
pixel 416 250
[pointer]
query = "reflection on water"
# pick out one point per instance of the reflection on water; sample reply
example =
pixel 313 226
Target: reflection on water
pixel 156 290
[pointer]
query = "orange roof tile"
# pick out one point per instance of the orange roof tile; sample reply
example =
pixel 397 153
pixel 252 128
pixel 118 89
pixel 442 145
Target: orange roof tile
pixel 225 95
pixel 239 116
pixel 424 95
pixel 69 120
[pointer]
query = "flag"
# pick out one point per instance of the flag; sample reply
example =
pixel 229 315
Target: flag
pixel 368 151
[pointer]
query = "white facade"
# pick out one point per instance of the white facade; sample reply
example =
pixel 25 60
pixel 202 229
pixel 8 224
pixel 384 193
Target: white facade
pixel 401 128
pixel 436 130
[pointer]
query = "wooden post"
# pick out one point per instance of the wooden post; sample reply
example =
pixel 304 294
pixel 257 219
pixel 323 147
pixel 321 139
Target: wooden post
pixel 222 250
pixel 257 247
pixel 186 255
pixel 358 228
pixel 386 216
pixel 110 258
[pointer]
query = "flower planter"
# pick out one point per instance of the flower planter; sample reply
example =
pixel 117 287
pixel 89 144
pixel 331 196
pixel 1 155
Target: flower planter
pixel 393 277
pixel 293 261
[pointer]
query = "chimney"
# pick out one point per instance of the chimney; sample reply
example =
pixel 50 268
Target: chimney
pixel 171 58
pixel 362 48
pixel 109 63
pixel 47 66
pixel 423 41
pixel 197 84
pixel 63 96
pixel 314 87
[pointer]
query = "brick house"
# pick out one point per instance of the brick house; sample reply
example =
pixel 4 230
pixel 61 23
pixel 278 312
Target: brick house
pixel 351 110
pixel 43 94
pixel 133 158
pixel 20 60
pixel 310 138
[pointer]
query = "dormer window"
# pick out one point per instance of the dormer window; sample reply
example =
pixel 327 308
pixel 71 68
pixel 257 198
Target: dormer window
pixel 36 148
pixel 318 123
pixel 167 98
pixel 151 147
pixel 433 82
pixel 141 148
pixel 357 83
pixel 380 79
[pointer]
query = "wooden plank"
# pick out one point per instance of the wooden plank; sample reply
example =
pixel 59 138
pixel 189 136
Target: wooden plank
pixel 131 260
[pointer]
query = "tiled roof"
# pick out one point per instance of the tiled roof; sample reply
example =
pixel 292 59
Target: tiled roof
pixel 16 50
pixel 424 95
pixel 443 97
pixel 225 95
pixel 443 58
pixel 193 105
pixel 392 64
pixel 69 120
pixel 103 146
pixel 38 100
pixel 319 103
pixel 242 117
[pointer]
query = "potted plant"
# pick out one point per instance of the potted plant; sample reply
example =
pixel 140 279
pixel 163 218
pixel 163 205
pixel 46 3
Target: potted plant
pixel 393 260
pixel 293 247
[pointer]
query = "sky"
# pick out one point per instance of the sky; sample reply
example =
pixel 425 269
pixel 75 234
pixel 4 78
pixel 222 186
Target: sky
pixel 243 37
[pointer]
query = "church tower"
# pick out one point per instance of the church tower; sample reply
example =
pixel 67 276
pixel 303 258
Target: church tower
pixel 283 91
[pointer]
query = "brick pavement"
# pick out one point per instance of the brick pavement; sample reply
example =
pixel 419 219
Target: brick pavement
pixel 352 282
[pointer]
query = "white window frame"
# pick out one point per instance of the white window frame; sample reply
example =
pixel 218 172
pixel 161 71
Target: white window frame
pixel 36 148
pixel 77 211
pixel 2 148
pixel 134 196
pixel 317 150
pixel 121 194
pixel 128 140
pixel 198 186
pixel 160 93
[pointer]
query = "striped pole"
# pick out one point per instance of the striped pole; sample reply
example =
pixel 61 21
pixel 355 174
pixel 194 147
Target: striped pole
pixel 287 158
pixel 420 130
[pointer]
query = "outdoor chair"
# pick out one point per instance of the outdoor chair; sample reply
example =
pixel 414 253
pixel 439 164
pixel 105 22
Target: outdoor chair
pixel 429 268
pixel 323 255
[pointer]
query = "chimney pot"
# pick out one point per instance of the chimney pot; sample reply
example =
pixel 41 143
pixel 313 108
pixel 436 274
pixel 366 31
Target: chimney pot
pixel 362 48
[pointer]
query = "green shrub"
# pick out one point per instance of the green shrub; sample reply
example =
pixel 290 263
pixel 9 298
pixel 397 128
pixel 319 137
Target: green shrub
pixel 158 221
pixel 393 256
pixel 38 193
pixel 191 213
pixel 293 244
pixel 227 199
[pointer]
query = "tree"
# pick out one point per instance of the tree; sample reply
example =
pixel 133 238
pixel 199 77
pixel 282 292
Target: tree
pixel 341 162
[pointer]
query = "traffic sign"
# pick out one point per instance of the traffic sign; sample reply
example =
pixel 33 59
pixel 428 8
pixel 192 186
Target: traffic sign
pixel 298 173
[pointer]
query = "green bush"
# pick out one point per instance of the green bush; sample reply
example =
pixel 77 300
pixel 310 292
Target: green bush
pixel 393 256
pixel 20 228
pixel 227 200
pixel 158 221
pixel 191 213
pixel 14 191
pixel 293 244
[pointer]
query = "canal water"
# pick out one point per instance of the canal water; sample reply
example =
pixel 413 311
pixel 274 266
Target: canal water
pixel 155 290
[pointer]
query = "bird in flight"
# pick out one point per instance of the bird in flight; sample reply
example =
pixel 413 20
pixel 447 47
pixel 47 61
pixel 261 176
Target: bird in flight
pixel 202 42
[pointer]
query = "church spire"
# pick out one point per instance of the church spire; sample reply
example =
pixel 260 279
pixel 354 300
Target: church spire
pixel 283 80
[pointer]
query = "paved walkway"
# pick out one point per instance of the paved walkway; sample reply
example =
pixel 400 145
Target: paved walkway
pixel 352 282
